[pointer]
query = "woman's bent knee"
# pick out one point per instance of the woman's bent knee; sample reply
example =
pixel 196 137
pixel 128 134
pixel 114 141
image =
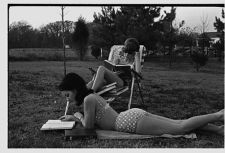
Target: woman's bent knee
pixel 101 68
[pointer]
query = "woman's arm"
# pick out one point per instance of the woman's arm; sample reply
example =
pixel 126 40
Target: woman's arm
pixel 111 55
pixel 88 119
pixel 69 118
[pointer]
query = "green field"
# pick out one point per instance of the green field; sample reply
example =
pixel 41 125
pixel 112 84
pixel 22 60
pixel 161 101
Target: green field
pixel 178 92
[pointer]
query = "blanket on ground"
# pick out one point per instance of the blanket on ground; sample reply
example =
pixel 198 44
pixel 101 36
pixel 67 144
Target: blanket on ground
pixel 105 134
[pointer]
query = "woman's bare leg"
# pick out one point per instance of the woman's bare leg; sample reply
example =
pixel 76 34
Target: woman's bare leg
pixel 107 75
pixel 213 128
pixel 90 84
pixel 157 125
pixel 201 121
pixel 208 127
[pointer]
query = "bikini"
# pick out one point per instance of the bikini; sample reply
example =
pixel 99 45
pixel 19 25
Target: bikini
pixel 125 122
pixel 101 109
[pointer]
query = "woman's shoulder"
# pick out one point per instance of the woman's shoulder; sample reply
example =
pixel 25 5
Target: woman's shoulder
pixel 94 98
pixel 91 97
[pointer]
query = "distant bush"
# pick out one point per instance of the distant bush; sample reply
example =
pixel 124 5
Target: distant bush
pixel 199 59
pixel 95 51
pixel 32 57
pixel 36 57
pixel 44 54
pixel 55 57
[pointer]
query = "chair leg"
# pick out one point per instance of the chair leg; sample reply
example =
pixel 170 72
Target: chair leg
pixel 131 92
pixel 140 92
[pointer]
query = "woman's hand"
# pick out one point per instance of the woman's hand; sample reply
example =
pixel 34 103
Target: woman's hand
pixel 68 118
pixel 78 115
pixel 116 61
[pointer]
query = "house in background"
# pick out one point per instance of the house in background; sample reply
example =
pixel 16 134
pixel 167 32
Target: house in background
pixel 213 36
pixel 210 39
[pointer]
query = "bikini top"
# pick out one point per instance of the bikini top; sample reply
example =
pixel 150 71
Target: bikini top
pixel 101 108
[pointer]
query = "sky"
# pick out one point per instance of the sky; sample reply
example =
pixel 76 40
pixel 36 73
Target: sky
pixel 42 15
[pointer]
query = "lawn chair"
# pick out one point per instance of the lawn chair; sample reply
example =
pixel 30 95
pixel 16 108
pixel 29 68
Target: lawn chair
pixel 131 75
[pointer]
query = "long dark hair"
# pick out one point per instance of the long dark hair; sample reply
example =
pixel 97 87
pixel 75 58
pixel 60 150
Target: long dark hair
pixel 73 81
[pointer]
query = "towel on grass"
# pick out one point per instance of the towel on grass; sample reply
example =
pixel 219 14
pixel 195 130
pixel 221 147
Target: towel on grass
pixel 106 134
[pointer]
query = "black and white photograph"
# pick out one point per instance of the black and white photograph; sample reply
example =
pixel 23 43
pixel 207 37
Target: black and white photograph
pixel 114 75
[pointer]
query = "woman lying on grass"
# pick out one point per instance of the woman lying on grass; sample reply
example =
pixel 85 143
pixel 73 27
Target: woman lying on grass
pixel 98 113
pixel 124 56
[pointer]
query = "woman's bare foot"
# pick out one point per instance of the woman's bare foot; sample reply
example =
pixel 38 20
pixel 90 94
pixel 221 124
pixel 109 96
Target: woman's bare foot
pixel 221 130
pixel 220 115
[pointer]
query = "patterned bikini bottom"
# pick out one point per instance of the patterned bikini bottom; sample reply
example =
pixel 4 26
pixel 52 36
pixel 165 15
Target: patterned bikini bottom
pixel 127 120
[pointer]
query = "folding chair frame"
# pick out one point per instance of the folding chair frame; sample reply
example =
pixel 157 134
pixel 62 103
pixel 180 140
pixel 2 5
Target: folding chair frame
pixel 135 77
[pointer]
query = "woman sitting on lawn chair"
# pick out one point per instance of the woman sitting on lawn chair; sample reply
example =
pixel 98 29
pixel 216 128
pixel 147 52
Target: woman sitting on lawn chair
pixel 98 112
pixel 105 76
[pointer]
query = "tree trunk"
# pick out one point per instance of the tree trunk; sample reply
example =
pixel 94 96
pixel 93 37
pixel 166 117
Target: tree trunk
pixel 220 56
pixel 191 50
pixel 81 54
pixel 197 67
pixel 170 56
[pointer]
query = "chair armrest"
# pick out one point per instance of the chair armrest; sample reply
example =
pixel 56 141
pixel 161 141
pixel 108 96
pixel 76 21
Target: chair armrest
pixel 137 74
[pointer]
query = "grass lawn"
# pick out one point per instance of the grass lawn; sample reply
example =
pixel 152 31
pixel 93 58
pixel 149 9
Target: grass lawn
pixel 178 92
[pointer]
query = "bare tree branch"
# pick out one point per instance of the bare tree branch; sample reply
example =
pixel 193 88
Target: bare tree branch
pixel 204 23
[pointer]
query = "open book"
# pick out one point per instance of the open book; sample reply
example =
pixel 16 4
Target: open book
pixel 58 125
pixel 123 71
pixel 116 67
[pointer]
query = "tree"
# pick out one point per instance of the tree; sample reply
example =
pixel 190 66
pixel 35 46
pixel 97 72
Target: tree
pixel 204 39
pixel 52 35
pixel 199 59
pixel 204 23
pixel 95 51
pixel 80 37
pixel 169 32
pixel 128 21
pixel 204 42
pixel 139 22
pixel 187 37
pixel 69 27
pixel 219 45
pixel 219 24
pixel 21 35
pixel 105 26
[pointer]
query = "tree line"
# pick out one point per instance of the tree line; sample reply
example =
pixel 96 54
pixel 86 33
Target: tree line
pixel 108 28
pixel 157 31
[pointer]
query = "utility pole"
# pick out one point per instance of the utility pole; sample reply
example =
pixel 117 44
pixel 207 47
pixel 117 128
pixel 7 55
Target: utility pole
pixel 63 40
pixel 171 47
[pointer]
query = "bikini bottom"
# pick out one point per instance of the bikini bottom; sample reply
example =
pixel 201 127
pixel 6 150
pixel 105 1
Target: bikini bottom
pixel 127 120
